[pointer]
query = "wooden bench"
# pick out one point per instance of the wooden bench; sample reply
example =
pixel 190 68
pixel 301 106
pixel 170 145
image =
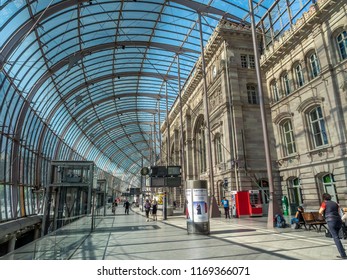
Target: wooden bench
pixel 309 220
pixel 314 220
pixel 320 221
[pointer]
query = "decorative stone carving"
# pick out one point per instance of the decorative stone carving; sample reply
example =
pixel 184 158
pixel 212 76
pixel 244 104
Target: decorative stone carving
pixel 215 98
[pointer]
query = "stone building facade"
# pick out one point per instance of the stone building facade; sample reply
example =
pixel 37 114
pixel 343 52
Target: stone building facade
pixel 234 115
pixel 305 90
pixel 306 77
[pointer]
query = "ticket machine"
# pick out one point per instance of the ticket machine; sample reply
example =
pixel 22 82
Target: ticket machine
pixel 255 205
pixel 248 203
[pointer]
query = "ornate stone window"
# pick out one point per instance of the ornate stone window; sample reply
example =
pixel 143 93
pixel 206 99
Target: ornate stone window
pixel 295 193
pixel 299 74
pixel 252 94
pixel 342 44
pixel 328 182
pixel 275 91
pixel 247 61
pixel 317 125
pixel 251 59
pixel 288 138
pixel 263 185
pixel 314 65
pixel 286 84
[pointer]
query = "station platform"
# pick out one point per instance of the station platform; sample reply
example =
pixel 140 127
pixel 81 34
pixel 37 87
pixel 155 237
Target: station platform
pixel 131 237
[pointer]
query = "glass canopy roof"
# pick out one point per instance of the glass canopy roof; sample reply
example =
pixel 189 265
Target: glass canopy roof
pixel 97 72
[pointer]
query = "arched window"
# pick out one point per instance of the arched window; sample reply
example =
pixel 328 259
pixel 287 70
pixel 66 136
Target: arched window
pixel 314 65
pixel 264 191
pixel 218 148
pixel 295 193
pixel 329 187
pixel 274 91
pixel 286 84
pixel 252 94
pixel 318 129
pixel 300 81
pixel 342 44
pixel 288 138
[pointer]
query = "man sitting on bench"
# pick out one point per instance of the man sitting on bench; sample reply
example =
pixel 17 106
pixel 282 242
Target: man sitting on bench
pixel 298 220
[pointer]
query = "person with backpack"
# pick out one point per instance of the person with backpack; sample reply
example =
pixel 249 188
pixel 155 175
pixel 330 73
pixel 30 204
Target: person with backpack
pixel 280 222
pixel 147 207
pixel 330 210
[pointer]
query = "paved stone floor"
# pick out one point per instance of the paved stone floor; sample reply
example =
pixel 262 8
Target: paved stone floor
pixel 131 237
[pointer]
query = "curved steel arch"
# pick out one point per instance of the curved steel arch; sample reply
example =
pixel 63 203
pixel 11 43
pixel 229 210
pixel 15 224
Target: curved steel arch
pixel 154 96
pixel 16 39
pixel 150 111
pixel 121 161
pixel 105 132
pixel 128 135
pixel 120 126
pixel 50 72
pixel 85 130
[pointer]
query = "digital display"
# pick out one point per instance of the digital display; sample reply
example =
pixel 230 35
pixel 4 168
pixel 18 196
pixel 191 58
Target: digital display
pixel 173 181
pixel 173 170
pixel 157 181
pixel 159 171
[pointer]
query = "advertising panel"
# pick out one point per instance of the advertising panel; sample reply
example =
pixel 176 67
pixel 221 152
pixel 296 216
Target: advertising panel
pixel 200 205
pixel 197 205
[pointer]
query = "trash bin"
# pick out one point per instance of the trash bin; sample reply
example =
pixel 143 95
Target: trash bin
pixel 285 205
pixel 197 207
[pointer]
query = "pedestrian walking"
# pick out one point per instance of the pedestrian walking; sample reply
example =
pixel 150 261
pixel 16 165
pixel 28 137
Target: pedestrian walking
pixel 154 209
pixel 126 205
pixel 147 207
pixel 330 210
pixel 114 207
pixel 225 203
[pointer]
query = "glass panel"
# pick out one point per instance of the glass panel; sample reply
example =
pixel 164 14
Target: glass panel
pixel 314 65
pixel 342 43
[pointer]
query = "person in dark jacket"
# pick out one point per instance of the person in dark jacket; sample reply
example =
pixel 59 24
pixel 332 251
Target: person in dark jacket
pixel 126 205
pixel 147 207
pixel 154 209
pixel 330 210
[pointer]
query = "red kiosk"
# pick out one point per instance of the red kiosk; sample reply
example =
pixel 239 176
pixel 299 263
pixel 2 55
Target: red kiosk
pixel 248 203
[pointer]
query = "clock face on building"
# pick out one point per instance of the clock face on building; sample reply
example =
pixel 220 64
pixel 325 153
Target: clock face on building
pixel 214 71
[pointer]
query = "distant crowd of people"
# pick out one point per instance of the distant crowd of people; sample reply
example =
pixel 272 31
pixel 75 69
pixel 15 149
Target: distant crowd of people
pixel 150 207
